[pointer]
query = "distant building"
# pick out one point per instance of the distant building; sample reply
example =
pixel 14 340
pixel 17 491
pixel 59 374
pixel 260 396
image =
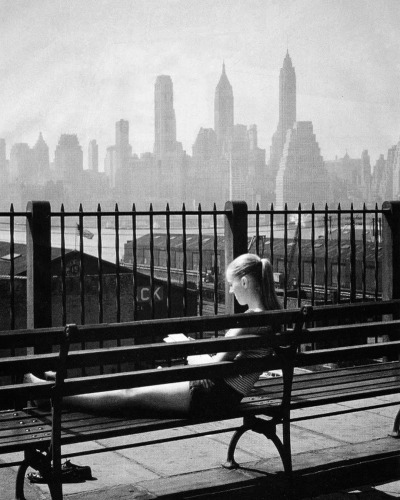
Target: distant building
pixel 287 112
pixel 164 117
pixel 396 173
pixel 379 179
pixel 41 161
pixel 366 176
pixel 302 176
pixel 208 176
pixel 223 114
pixel 93 156
pixel 123 149
pixel 3 160
pixel 21 163
pixel 170 160
pixel 68 159
pixel 110 165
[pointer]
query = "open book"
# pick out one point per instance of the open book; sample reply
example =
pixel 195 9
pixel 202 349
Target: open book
pixel 196 359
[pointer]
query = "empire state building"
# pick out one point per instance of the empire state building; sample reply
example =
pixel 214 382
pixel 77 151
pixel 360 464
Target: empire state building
pixel 287 112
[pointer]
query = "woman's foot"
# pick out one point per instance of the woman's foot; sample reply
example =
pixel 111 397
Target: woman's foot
pixel 43 404
pixel 50 375
pixel 30 378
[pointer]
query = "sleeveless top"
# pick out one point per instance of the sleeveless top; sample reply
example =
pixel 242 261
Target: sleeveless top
pixel 243 383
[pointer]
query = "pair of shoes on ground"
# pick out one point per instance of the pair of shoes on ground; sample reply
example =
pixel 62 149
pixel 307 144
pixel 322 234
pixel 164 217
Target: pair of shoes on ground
pixel 70 473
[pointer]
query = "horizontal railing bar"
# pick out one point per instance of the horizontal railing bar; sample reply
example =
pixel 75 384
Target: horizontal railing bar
pixel 317 212
pixel 138 213
pixel 28 215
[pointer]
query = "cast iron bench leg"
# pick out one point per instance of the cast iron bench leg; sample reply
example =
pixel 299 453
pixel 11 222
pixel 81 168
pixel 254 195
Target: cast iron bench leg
pixel 41 463
pixel 268 429
pixel 396 426
pixel 19 483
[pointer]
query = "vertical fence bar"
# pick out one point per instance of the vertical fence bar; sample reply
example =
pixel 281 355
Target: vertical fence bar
pixel 285 259
pixel 12 272
pixel 235 235
pixel 82 276
pixel 353 277
pixel 151 244
pixel 312 254
pixel 339 255
pixel 100 274
pixel 38 238
pixel 168 227
pixel 99 267
pixel 258 230
pixel 81 267
pixel 134 262
pixel 199 218
pixel 377 255
pixel 299 259
pixel 326 261
pixel 364 253
pixel 184 260
pixel 117 266
pixel 63 268
pixel 271 234
pixel 216 270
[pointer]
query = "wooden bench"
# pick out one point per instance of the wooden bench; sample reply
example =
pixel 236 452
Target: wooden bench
pixel 40 434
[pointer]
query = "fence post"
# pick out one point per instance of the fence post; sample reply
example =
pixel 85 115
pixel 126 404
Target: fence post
pixel 391 250
pixel 38 256
pixel 236 241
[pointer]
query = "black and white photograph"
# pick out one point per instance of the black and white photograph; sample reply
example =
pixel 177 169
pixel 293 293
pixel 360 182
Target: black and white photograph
pixel 199 249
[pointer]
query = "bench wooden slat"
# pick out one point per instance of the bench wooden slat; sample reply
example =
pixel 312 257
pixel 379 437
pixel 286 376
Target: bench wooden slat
pixel 355 311
pixel 348 332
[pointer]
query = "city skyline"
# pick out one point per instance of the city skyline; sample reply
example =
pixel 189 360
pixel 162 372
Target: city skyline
pixel 82 66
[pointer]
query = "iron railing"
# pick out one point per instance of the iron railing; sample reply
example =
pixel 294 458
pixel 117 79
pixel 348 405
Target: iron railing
pixel 318 256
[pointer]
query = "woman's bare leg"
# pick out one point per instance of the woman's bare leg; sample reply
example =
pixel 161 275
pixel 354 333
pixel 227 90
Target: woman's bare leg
pixel 173 398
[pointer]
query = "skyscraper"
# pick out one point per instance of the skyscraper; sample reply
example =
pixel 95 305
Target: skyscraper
pixel 123 153
pixel 3 161
pixel 223 113
pixel 68 159
pixel 164 117
pixel 287 112
pixel 20 163
pixel 41 161
pixel 93 156
pixel 302 176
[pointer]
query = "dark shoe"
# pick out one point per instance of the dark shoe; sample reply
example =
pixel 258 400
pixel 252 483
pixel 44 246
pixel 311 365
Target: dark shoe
pixel 66 477
pixel 70 473
pixel 81 471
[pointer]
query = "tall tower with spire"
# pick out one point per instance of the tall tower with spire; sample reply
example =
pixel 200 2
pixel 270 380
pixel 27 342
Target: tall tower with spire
pixel 287 112
pixel 41 161
pixel 164 117
pixel 223 113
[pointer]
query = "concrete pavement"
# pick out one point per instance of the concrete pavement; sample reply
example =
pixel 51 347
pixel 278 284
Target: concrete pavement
pixel 185 468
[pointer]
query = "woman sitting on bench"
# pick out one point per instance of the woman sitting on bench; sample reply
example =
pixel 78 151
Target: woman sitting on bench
pixel 251 281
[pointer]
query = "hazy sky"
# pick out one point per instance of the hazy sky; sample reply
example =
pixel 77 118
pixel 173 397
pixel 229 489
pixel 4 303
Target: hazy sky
pixel 78 66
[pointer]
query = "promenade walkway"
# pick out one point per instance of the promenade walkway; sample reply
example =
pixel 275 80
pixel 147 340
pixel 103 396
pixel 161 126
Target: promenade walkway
pixel 191 468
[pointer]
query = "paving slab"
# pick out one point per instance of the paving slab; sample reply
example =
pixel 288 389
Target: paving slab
pixel 150 471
